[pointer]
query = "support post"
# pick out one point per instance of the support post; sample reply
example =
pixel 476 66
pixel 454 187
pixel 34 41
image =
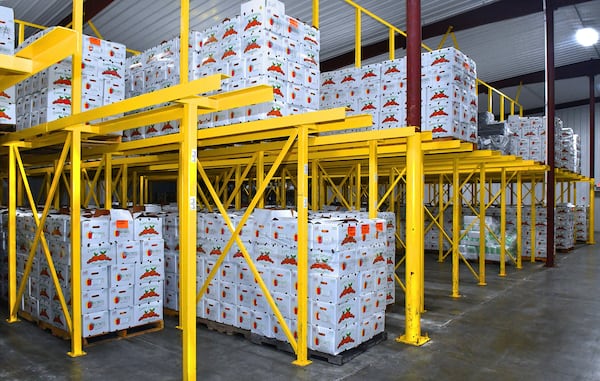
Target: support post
pixel 357 187
pixel 550 113
pixel 188 173
pixel 238 180
pixel 591 239
pixel 455 229
pixel 373 180
pixel 314 173
pixel 260 175
pixel 124 182
pixel 12 234
pixel 302 209
pixel 503 222
pixel 519 220
pixel 107 180
pixel 482 225
pixel 592 129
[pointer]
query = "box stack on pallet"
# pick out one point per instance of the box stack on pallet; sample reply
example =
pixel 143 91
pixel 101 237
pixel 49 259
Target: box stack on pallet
pixel 448 93
pixel 568 150
pixel 432 236
pixel 469 244
pixel 7 47
pixel 564 226
pixel 351 274
pixel 121 274
pixel 262 46
pixel 527 137
pixel 581 220
pixel 46 96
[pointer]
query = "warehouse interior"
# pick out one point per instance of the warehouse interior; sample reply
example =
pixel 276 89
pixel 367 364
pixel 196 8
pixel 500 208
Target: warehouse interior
pixel 480 282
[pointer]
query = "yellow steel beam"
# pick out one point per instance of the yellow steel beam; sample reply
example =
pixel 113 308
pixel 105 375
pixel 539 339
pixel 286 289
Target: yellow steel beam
pixel 315 13
pixel 108 187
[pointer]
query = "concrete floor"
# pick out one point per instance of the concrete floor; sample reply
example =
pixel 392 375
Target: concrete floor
pixel 535 324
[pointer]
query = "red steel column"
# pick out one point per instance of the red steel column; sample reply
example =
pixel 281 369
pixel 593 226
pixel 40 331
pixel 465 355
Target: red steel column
pixel 413 63
pixel 550 112
pixel 592 126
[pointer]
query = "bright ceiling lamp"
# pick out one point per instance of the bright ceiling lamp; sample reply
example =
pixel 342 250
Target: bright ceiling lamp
pixel 586 36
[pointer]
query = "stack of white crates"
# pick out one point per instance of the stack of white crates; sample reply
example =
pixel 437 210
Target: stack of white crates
pixel 568 150
pixel 121 270
pixel 527 137
pixel 171 238
pixel 531 245
pixel 448 93
pixel 351 267
pixel 581 222
pixel 46 96
pixel 564 226
pixel 432 236
pixel 262 46
pixel 7 47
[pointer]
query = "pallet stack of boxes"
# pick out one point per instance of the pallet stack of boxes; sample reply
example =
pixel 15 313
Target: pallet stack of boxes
pixel 7 47
pixel 448 93
pixel 351 267
pixel 564 229
pixel 171 247
pixel 432 236
pixel 581 222
pixel 46 96
pixel 568 150
pixel 527 137
pixel 262 46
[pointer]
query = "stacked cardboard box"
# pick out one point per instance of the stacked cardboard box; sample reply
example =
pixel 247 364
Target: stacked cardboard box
pixel 581 222
pixel 262 46
pixel 121 270
pixel 351 261
pixel 46 96
pixel 432 236
pixel 448 95
pixel 469 244
pixel 564 226
pixel 568 150
pixel 527 137
pixel 7 46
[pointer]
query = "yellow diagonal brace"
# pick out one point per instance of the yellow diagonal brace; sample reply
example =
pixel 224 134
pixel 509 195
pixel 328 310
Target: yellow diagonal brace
pixel 238 184
pixel 49 259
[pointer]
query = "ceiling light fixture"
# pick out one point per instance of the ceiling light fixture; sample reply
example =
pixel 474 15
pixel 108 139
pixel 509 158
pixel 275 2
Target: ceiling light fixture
pixel 586 36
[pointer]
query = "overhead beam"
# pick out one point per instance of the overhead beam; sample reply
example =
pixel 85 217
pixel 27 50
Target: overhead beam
pixel 90 9
pixel 562 106
pixel 579 69
pixel 487 14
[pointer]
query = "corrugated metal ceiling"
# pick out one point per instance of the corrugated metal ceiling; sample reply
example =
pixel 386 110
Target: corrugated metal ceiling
pixel 502 50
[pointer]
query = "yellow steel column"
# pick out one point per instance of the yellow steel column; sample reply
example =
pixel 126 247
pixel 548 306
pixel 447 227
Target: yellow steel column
pixel 12 234
pixel 455 229
pixel 19 189
pixel 519 220
pixel 490 107
pixel 573 186
pixel 315 13
pixel 503 222
pixel 238 180
pixel 302 209
pixel 357 38
pixel 421 239
pixel 260 175
pixel 392 43
pixel 441 217
pixel 322 190
pixel 414 233
pixel 373 191
pixel 134 188
pixel 357 187
pixel 107 180
pixel 76 330
pixel 314 185
pixel 482 225
pixel 57 194
pixel 502 100
pixel 124 182
pixel 591 239
pixel 188 173
pixel 392 202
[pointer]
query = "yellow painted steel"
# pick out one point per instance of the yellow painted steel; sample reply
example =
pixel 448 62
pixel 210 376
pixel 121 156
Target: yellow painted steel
pixel 108 187
pixel 12 236
pixel 591 239
pixel 455 230
pixel 302 210
pixel 414 233
pixel 357 188
pixel 502 102
pixel 533 222
pixel 76 310
pixel 519 224
pixel 40 226
pixel 124 184
pixel 503 223
pixel 357 38
pixel 315 188
pixel 187 245
pixel 392 43
pixel 260 175
pixel 373 180
pixel 315 13
pixel 482 225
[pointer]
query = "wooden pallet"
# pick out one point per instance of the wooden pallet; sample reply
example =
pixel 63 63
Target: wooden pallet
pixel 170 312
pixel 567 250
pixel 125 333
pixel 224 328
pixel 55 331
pixel 339 359
pixel 537 259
